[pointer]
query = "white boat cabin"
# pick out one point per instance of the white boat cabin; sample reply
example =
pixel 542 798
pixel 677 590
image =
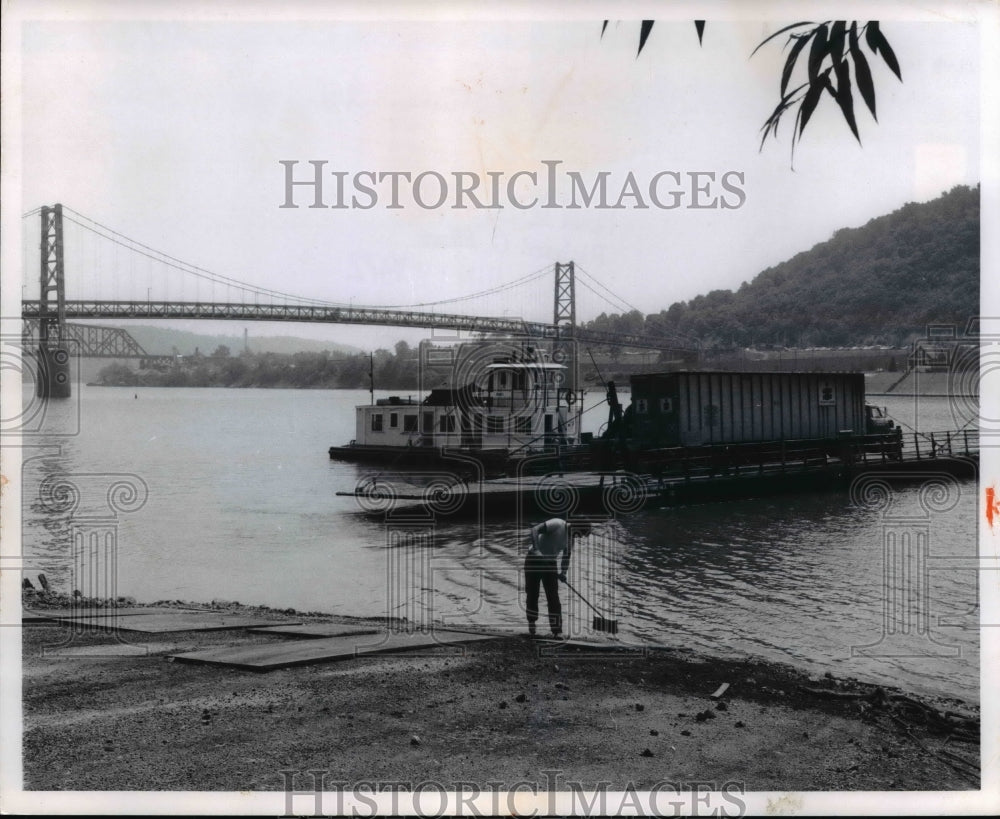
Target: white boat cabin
pixel 511 405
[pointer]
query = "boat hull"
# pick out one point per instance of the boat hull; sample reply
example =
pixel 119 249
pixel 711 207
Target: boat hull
pixel 488 462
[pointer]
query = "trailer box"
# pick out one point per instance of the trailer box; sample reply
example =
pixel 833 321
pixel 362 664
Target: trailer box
pixel 692 408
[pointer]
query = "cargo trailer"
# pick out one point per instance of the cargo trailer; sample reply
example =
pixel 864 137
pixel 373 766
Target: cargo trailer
pixel 696 408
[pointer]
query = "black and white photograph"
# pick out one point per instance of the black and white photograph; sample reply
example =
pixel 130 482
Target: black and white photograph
pixel 475 409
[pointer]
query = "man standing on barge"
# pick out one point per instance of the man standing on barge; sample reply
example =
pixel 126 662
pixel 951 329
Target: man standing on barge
pixel 550 541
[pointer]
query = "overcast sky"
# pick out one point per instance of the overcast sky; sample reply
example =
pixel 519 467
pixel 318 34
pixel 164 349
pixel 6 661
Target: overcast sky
pixel 172 130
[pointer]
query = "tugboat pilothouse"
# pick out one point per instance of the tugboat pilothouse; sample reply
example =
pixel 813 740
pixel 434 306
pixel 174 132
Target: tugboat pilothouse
pixel 509 404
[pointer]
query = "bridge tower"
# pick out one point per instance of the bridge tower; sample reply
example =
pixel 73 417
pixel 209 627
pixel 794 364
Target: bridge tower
pixel 53 358
pixel 564 319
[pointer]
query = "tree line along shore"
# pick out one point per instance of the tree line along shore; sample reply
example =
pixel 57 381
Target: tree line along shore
pixel 398 369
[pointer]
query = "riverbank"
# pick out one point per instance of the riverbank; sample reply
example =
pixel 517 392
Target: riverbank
pixel 957 384
pixel 501 710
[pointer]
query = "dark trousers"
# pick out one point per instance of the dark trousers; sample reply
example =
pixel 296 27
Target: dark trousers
pixel 542 571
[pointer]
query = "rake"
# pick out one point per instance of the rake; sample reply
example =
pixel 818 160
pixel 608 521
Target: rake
pixel 601 623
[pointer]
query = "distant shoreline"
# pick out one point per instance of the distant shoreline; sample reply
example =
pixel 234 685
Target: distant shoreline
pixel 923 395
pixel 594 387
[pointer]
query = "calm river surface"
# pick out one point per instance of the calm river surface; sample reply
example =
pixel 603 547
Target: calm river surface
pixel 241 505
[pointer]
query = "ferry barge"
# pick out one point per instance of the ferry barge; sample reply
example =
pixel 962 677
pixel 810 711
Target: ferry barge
pixel 516 404
pixel 687 436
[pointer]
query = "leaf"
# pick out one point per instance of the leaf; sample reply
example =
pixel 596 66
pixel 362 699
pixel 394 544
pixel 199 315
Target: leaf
pixel 862 73
pixel 773 121
pixel 779 31
pixel 604 28
pixel 767 133
pixel 890 58
pixel 797 129
pixel 786 101
pixel 647 26
pixel 843 96
pixel 818 52
pixel 877 43
pixel 837 35
pixel 700 28
pixel 793 55
pixel 871 35
pixel 811 99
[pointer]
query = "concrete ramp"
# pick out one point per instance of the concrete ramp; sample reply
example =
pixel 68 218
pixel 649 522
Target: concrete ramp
pixel 272 656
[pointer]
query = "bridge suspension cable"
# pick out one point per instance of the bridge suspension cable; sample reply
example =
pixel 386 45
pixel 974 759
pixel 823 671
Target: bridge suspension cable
pixel 625 306
pixel 620 301
pixel 500 288
pixel 120 239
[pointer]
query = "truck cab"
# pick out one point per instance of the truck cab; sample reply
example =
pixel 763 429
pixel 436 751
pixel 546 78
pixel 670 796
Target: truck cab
pixel 877 420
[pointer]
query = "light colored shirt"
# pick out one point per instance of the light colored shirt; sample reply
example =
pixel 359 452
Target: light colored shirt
pixel 550 538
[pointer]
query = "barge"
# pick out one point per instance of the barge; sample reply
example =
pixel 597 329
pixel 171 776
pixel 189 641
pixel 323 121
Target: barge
pixel 686 436
pixel 518 409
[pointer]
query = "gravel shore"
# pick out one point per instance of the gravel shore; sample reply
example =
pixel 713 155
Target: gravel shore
pixel 501 710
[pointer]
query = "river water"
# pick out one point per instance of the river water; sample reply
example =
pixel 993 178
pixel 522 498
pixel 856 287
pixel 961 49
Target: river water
pixel 230 494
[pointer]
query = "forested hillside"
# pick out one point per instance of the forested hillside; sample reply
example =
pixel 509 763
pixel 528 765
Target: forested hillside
pixel 878 284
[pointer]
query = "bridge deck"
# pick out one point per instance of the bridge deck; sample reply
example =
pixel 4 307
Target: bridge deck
pixel 339 314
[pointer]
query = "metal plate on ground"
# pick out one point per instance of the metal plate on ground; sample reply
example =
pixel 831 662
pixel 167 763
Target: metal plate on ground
pixel 316 630
pixel 104 651
pixel 176 621
pixel 272 656
pixel 43 615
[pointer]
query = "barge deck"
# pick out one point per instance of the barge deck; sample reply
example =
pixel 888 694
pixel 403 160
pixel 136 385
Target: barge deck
pixel 664 478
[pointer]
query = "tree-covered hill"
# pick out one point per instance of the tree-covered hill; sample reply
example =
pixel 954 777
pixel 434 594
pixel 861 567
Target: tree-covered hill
pixel 877 284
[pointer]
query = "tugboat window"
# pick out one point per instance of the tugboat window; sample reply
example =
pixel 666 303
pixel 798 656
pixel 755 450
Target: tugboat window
pixel 447 423
pixel 522 425
pixel 666 405
pixel 409 423
pixel 377 422
pixel 641 406
pixel 494 424
pixel 393 420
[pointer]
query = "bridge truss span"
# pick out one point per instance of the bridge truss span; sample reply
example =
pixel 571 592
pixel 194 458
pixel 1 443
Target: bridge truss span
pixel 91 341
pixel 339 314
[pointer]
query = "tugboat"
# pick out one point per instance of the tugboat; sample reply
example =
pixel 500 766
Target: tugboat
pixel 512 401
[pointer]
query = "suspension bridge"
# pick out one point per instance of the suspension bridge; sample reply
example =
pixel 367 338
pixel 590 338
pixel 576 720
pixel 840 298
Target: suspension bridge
pixel 49 330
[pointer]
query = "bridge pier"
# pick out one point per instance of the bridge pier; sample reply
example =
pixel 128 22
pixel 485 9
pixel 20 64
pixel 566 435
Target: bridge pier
pixel 53 359
pixel 53 373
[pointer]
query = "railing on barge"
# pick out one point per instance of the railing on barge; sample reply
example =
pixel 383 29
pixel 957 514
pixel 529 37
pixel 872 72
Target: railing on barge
pixel 950 443
pixel 735 460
